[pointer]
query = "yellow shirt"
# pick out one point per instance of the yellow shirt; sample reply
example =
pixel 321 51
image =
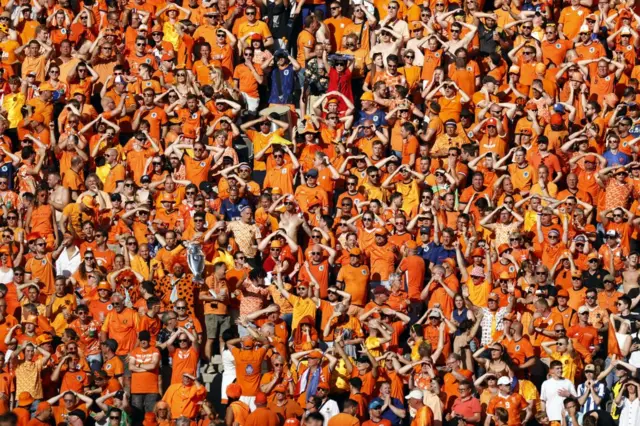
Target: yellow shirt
pixel 60 305
pixel 301 308
pixel 569 365
pixel 12 104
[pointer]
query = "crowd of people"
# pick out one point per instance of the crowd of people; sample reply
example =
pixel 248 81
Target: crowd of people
pixel 319 213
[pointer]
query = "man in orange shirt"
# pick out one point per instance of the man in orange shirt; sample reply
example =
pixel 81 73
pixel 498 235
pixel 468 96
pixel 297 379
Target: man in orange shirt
pixel 184 398
pixel 514 403
pixel 280 175
pixel 143 364
pixel 121 325
pixel 423 415
pixel 248 360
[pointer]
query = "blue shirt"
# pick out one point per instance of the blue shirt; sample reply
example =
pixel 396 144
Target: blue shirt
pixel 618 159
pixel 377 117
pixel 437 253
pixel 389 414
pixel 231 211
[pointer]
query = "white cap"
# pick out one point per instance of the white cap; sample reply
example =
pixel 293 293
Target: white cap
pixel 584 29
pixel 504 380
pixel 120 80
pixel 625 31
pixel 582 309
pixel 415 394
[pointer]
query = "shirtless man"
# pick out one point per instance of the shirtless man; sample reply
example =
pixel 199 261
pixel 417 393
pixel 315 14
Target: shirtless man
pixel 631 273
pixel 59 195
pixel 290 219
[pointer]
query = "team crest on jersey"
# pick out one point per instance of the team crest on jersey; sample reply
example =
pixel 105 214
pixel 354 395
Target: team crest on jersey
pixel 437 54
pixel 286 72
pixel 375 118
pixel 507 404
pixel 148 60
pixel 558 46
pixel 248 369
pixel 109 307
pixel 63 31
pixel 284 171
pixel 512 268
pixel 79 378
pixel 44 261
pixel 321 268
pixel 147 83
pixel 194 115
pixel 592 49
pixel 107 367
pixel 154 115
pixel 525 174
pixel 364 272
pixel 469 68
pixel 517 348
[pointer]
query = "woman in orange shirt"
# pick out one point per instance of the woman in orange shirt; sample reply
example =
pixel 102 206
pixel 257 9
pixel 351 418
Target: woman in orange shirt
pixel 41 218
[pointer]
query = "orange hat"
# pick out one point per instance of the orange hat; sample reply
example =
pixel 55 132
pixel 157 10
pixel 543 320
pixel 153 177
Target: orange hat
pixel 304 284
pixel 248 342
pixel 292 422
pixel 412 245
pixel 170 198
pixel 315 355
pixel 234 391
pixel 314 202
pixel 25 399
pixel 157 29
pixel 563 293
pixel 503 247
pixel 261 398
pixel 505 275
pixel 324 385
pixel 89 201
pixel 450 262
pixel 46 86
pixel 333 101
pixel 42 407
pixel 416 25
pixel 33 236
pixel 556 120
pixel 514 69
pixel 492 122
pixel 77 91
pixel 309 128
pixel 276 244
pixel 576 274
pixel 256 36
pixel 381 231
pixel 166 57
pixel 104 286
pixel 477 252
pixel 526 131
pixel 531 107
pixel 540 68
pixel 37 117
pixel 355 251
pixel 367 96
pixel 593 255
pixel 590 158
pixel 31 319
pixel 276 191
pixel 44 338
pixel 280 389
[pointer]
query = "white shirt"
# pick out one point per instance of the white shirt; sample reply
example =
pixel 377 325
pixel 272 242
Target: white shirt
pixel 328 410
pixel 67 264
pixel 553 401
pixel 630 415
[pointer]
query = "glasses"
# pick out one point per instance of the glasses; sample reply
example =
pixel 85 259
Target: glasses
pixel 250 13
pixel 86 258
pixel 278 156
pixel 116 303
pixel 54 72
pixel 114 418
pixel 183 340
pixel 191 192
pixel 181 307
pixel 541 273
pixel 41 244
pixel 315 253
pixel 560 330
pixel 334 8
pixel 198 205
pixel 408 56
pixel 320 236
pixel 140 44
pixel 528 53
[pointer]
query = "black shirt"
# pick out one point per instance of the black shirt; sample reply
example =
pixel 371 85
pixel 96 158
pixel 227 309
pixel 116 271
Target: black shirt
pixel 594 281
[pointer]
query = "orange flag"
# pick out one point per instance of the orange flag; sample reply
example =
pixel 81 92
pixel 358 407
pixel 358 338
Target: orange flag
pixel 612 342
